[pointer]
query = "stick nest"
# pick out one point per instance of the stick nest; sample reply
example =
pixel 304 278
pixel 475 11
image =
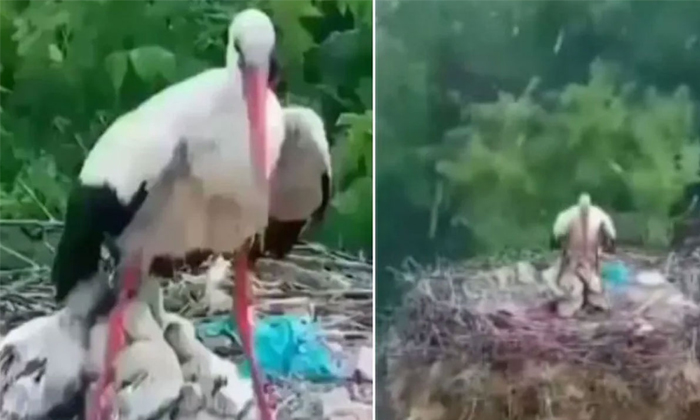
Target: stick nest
pixel 479 341
pixel 333 287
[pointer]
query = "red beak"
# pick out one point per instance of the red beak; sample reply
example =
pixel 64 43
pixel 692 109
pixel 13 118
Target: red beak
pixel 255 88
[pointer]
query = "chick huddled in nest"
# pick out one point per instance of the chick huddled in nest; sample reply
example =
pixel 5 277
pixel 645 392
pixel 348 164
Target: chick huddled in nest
pixel 162 372
pixel 582 231
pixel 208 386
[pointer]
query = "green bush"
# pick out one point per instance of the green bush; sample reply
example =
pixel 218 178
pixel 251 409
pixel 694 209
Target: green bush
pixel 519 160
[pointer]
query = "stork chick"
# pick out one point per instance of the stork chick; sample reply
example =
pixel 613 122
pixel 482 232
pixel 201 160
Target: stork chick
pixel 583 229
pixel 216 387
pixel 42 361
pixel 147 375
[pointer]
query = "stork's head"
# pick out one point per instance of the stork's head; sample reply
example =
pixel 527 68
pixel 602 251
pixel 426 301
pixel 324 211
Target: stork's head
pixel 251 51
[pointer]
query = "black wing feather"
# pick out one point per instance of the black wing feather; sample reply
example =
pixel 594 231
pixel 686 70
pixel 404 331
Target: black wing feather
pixel 93 213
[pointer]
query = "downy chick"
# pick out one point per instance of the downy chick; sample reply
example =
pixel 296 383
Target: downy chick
pixel 42 361
pixel 148 378
pixel 224 392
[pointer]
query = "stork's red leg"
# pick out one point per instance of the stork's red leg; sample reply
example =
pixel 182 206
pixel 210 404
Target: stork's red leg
pixel 244 317
pixel 100 408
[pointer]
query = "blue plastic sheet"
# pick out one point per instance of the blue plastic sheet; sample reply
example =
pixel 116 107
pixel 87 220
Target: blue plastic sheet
pixel 616 274
pixel 285 346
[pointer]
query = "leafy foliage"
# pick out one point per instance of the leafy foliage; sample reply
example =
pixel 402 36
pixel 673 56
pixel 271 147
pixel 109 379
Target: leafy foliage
pixel 502 113
pixel 521 160
pixel 71 68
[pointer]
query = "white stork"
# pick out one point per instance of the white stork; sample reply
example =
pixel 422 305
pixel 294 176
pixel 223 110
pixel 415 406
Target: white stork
pixel 587 230
pixel 187 169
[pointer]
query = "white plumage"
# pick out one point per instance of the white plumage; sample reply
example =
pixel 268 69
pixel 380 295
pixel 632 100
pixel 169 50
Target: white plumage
pixel 147 375
pixel 597 219
pixel 213 204
pixel 587 230
pixel 208 113
pixel 42 361
pixel 182 166
pixel 148 378
pixel 216 388
pixel 304 159
pixel 223 391
pixel 300 189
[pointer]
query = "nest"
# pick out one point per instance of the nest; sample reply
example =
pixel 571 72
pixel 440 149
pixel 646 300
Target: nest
pixel 332 287
pixel 481 343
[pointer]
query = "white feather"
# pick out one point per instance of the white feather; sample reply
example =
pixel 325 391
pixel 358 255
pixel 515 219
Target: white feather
pixel 208 113
pixel 305 157
pixel 148 377
pixel 97 348
pixel 52 339
pixel 58 340
pixel 597 218
pixel 206 368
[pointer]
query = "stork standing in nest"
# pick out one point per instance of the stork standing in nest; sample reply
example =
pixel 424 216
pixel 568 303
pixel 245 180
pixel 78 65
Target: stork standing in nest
pixel 582 231
pixel 187 169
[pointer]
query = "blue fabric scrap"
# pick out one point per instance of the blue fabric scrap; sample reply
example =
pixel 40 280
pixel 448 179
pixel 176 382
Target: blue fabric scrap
pixel 616 274
pixel 286 346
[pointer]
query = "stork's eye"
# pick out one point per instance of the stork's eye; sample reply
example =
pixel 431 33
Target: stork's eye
pixel 237 47
pixel 273 75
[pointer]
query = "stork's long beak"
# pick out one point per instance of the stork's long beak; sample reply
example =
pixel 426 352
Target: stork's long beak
pixel 255 88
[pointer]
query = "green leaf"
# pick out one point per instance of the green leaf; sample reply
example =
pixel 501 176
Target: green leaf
pixel 690 163
pixel 55 54
pixel 355 149
pixel 152 61
pixel 295 40
pixel 365 91
pixel 350 221
pixel 360 9
pixel 339 56
pixel 349 201
pixel 116 64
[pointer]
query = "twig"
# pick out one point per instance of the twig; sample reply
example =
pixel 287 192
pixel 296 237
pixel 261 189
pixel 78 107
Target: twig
pixel 20 271
pixel 320 262
pixel 24 222
pixel 19 255
pixel 36 199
